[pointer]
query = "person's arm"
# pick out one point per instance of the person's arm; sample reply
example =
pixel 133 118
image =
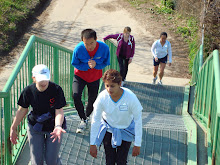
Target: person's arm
pixel 20 114
pixel 153 47
pixel 113 36
pixel 169 53
pixel 106 58
pixel 58 130
pixel 77 63
pixel 132 51
pixel 137 113
pixel 138 135
pixel 95 124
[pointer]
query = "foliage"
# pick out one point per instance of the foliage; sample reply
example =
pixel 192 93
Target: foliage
pixel 190 32
pixel 11 14
pixel 186 25
pixel 212 27
pixel 163 9
pixel 168 3
pixel 193 49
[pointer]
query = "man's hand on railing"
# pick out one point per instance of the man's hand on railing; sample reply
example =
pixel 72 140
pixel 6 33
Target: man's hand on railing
pixel 56 134
pixel 13 136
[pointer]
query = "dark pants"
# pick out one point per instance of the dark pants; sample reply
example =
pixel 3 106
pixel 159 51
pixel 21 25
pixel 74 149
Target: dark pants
pixel 123 65
pixel 78 86
pixel 115 155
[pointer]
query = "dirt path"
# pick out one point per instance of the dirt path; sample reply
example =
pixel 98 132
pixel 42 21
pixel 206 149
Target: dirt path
pixel 63 20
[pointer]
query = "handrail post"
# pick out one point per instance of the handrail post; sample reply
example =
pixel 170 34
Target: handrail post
pixel 200 57
pixel 56 66
pixel 7 124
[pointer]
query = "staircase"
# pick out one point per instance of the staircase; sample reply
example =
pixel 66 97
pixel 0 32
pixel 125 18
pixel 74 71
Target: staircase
pixel 165 134
pixel 164 139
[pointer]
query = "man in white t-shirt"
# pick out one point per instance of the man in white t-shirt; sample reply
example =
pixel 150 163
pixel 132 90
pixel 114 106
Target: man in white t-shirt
pixel 116 121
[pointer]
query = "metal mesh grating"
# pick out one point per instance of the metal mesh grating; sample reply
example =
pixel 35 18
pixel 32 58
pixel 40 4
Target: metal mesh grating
pixel 158 98
pixel 159 146
pixel 163 121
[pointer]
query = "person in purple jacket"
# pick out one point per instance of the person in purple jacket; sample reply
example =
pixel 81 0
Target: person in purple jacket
pixel 125 50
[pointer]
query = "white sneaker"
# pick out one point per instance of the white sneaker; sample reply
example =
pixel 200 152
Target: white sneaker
pixel 160 82
pixel 154 80
pixel 82 126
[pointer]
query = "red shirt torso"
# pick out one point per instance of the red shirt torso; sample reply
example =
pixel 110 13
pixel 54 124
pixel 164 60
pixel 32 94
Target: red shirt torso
pixel 90 75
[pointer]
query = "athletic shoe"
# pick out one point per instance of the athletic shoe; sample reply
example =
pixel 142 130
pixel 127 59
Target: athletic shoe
pixel 154 80
pixel 82 126
pixel 160 82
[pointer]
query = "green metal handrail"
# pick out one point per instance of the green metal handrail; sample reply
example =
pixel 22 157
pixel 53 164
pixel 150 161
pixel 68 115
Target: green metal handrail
pixel 215 134
pixel 37 51
pixel 57 58
pixel 207 99
pixel 197 64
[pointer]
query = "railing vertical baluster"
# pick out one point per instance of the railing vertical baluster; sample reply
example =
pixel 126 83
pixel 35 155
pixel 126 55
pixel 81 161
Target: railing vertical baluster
pixel 7 123
pixel 56 65
pixel 31 63
pixel 71 81
pixel 217 85
pixel 1 136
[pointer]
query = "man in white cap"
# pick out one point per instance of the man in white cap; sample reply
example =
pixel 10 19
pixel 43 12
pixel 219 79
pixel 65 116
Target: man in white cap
pixel 46 121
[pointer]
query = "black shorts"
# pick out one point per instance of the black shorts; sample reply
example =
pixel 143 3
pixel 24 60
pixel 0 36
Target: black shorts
pixel 163 60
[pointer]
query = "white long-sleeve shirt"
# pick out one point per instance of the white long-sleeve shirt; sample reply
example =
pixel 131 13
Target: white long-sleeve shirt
pixel 117 114
pixel 160 51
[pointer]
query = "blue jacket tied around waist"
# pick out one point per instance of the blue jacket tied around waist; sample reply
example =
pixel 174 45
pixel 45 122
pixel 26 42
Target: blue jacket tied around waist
pixel 40 119
pixel 118 135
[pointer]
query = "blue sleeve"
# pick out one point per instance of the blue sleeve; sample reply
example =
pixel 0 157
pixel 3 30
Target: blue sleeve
pixel 78 63
pixel 106 58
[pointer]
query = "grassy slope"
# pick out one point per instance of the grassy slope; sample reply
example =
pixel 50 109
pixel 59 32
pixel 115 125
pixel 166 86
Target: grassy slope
pixel 14 14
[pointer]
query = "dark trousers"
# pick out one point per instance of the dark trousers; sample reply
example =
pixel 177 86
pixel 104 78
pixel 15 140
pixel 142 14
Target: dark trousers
pixel 123 65
pixel 115 155
pixel 78 86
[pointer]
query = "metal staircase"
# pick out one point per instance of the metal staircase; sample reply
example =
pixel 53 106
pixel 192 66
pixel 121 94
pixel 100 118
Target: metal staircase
pixel 164 139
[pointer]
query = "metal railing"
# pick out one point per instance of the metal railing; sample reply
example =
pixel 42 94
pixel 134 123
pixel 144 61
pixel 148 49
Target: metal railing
pixel 57 58
pixel 207 99
pixel 197 64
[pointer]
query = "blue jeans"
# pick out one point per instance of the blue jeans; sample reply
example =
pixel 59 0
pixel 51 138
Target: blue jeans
pixel 42 148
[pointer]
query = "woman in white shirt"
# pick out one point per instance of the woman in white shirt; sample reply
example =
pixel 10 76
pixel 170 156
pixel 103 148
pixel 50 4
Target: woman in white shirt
pixel 116 120
pixel 160 50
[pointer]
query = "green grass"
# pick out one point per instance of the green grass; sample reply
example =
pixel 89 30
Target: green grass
pixel 12 13
pixel 189 31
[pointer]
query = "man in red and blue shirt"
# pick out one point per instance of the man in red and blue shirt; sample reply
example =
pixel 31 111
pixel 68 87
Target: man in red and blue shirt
pixel 89 58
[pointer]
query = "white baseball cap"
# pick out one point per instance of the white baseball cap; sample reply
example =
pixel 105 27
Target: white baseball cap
pixel 41 73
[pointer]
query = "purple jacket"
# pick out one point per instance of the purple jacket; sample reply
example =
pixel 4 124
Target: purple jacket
pixel 119 38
